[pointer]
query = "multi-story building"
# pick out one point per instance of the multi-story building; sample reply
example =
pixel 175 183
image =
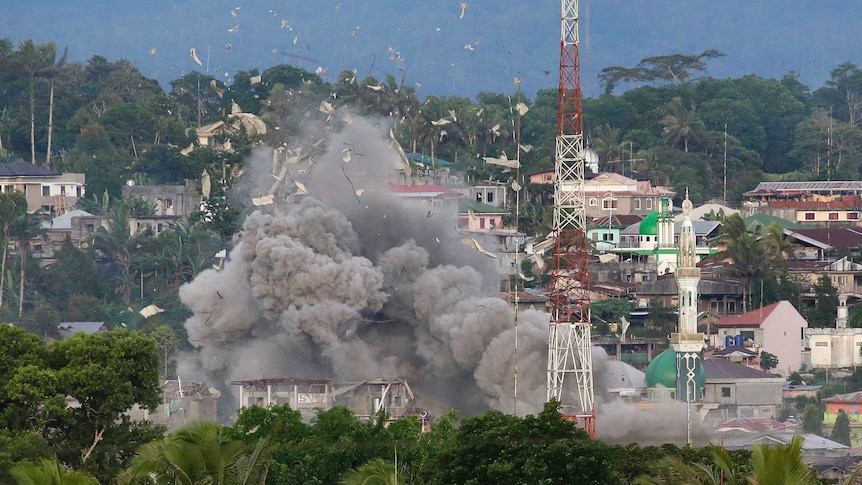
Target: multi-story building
pixel 821 203
pixel 45 190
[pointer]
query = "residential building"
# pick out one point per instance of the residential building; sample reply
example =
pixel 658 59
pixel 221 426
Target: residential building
pixel 823 203
pixel 850 403
pixel 167 200
pixel 181 404
pixel 494 194
pixel 476 216
pixel 45 190
pixel 604 232
pixel 736 391
pixel 777 328
pixel 819 243
pixel 67 329
pixel 610 193
pixel 719 297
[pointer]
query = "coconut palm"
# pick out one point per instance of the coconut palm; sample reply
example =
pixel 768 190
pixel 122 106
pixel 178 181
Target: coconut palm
pixel 13 205
pixel 609 145
pixel 37 61
pixel 681 124
pixel 24 229
pixel 781 465
pixel 48 471
pixel 375 472
pixel 751 255
pixel 200 453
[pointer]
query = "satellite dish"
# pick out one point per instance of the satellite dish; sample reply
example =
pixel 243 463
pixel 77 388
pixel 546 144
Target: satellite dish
pixel 591 160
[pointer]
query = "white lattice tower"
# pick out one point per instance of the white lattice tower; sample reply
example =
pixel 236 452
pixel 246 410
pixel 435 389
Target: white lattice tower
pixel 569 348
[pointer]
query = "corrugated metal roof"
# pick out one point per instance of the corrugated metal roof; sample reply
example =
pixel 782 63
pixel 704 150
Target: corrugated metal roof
pixel 24 169
pixel 778 187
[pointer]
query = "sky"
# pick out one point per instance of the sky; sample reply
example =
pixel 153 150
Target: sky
pixel 441 51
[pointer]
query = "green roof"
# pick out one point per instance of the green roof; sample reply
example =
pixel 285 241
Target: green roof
pixel 466 205
pixel 649 225
pixel 423 159
pixel 765 220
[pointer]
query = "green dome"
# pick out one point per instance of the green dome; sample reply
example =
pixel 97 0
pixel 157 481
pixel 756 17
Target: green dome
pixel 649 225
pixel 662 372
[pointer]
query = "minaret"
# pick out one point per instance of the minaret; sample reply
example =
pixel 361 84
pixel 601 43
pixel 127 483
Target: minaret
pixel 687 342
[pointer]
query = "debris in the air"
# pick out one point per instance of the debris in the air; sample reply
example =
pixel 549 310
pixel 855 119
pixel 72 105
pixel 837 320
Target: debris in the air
pixel 233 11
pixel 194 55
pixel 263 200
pixel 521 108
pixel 153 51
pixel 464 6
pixel 150 310
pixel 475 245
pixel 300 186
pixel 235 28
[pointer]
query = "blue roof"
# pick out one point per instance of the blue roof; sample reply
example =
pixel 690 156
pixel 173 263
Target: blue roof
pixel 423 159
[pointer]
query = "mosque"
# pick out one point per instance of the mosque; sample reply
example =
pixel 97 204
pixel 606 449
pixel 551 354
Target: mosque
pixel 678 371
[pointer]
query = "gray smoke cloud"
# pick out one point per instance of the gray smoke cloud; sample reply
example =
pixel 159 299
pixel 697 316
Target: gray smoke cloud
pixel 354 287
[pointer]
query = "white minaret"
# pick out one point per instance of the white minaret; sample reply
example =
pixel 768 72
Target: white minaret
pixel 687 342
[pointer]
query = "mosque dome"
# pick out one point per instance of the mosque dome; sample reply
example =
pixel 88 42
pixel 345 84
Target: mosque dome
pixel 649 225
pixel 662 372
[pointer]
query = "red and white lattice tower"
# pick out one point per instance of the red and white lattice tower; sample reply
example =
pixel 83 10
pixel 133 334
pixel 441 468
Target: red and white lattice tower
pixel 570 362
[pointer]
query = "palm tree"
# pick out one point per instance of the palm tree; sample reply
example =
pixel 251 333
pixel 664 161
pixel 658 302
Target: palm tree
pixel 200 453
pixel 375 472
pixel 24 229
pixel 781 465
pixel 118 244
pixel 49 471
pixel 13 205
pixel 751 255
pixel 681 124
pixel 37 61
pixel 609 145
pixel 780 244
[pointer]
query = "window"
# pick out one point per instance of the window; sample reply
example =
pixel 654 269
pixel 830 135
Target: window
pixel 607 236
pixel 478 196
pixel 169 203
pixel 62 190
pixel 637 204
pixel 833 216
pixel 730 307
pixel 809 216
pixel 725 392
pixel 489 198
pixel 594 202
pixel 78 192
pixel 548 177
pixel 747 335
pixel 649 204
pixel 853 216
pixel 609 203
pixel 821 344
pixel 46 191
pixel 91 228
pixel 481 223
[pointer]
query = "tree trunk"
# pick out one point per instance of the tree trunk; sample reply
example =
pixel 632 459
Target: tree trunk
pixel 33 121
pixel 3 268
pixel 50 125
pixel 23 252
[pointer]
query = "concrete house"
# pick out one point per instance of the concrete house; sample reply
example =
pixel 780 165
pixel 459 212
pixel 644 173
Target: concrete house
pixel 46 190
pixel 777 328
pixel 736 391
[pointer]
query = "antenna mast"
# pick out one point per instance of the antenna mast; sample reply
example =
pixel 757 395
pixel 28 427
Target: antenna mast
pixel 569 348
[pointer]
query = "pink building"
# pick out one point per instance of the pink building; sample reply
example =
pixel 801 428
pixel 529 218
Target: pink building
pixel 777 328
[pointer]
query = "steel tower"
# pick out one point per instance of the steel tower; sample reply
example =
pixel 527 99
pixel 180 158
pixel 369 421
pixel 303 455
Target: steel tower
pixel 569 353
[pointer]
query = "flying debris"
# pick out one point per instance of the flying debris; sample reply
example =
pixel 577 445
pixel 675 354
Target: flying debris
pixel 218 91
pixel 321 71
pixel 479 113
pixel 516 186
pixel 377 87
pixel 359 192
pixel 228 46
pixel 285 24
pixel 235 28
pixel 540 263
pixel 525 148
pixel 521 108
pixel 441 122
pixel 443 134
pixel 327 109
pixel 254 80
pixel 346 157
pixel 355 30
pixel 273 13
pixel 469 241
pixel 263 200
pixel 150 310
pixel 525 277
pixel 234 10
pixel 503 161
pixel 275 51
pixel 300 186
pixel 347 119
pixel 452 115
pixel 471 214
pixel 296 39
pixel 153 51
pixel 469 47
pixel 194 55
pixel 495 130
pixel 464 6
pixel 206 184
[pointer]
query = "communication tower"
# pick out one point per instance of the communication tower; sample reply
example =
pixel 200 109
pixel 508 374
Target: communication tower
pixel 569 349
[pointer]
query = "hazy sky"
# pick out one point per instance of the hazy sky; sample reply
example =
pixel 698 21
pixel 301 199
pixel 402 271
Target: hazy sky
pixel 447 54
